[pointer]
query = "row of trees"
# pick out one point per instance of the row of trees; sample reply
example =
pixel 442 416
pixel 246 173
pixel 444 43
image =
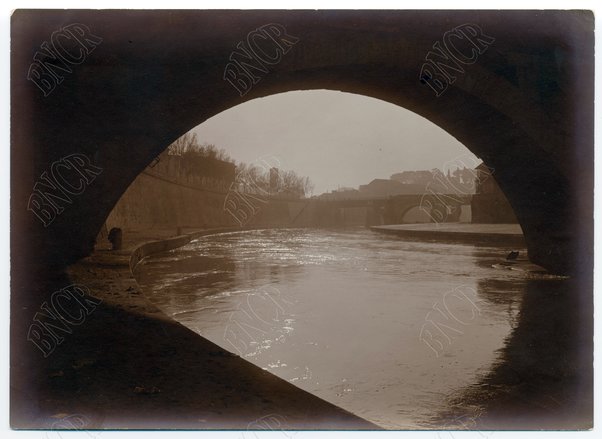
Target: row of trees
pixel 264 180
pixel 188 147
pixel 296 184
pixel 251 178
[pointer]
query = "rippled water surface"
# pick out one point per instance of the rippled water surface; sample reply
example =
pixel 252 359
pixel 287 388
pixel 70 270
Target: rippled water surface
pixel 388 329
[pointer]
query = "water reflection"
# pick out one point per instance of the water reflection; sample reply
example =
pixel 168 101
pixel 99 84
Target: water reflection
pixel 392 330
pixel 542 378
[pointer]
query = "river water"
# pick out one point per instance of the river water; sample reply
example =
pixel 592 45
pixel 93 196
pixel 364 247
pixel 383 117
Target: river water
pixel 388 329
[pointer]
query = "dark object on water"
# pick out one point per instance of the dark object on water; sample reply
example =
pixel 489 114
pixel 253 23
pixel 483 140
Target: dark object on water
pixel 115 237
pixel 512 256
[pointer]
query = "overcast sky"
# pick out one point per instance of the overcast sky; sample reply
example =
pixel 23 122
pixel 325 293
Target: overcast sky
pixel 337 139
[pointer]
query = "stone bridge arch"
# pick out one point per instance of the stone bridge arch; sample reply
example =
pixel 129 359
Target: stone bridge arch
pixel 126 84
pixel 396 207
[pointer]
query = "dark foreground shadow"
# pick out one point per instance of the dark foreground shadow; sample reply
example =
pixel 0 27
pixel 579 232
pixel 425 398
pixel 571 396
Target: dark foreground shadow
pixel 543 378
pixel 126 369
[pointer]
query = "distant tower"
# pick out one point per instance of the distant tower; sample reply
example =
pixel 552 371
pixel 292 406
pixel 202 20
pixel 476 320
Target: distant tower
pixel 274 179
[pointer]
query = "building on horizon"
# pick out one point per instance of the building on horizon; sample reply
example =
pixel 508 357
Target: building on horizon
pixel 382 188
pixel 413 177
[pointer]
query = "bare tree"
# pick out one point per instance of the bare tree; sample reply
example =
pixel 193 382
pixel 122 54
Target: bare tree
pixel 308 187
pixel 250 178
pixel 294 183
pixel 185 143
pixel 188 145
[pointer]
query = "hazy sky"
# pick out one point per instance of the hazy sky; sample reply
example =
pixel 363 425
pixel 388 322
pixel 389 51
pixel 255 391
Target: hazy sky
pixel 337 139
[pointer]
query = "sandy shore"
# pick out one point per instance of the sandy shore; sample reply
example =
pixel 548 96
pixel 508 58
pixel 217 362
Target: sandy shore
pixel 489 234
pixel 129 366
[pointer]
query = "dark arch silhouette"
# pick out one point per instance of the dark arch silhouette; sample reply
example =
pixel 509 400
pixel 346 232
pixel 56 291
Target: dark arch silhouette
pixel 524 105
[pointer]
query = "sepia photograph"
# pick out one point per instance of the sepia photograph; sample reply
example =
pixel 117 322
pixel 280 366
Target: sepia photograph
pixel 298 220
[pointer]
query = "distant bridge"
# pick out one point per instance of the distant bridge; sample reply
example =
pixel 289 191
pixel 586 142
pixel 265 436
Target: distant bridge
pixel 392 209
